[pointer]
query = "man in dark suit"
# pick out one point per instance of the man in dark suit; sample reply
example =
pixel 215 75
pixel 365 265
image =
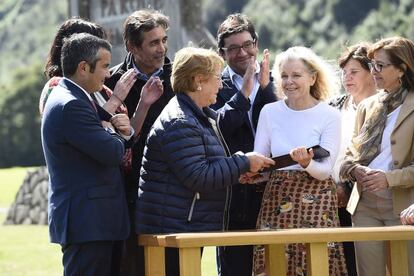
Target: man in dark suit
pixel 87 207
pixel 247 87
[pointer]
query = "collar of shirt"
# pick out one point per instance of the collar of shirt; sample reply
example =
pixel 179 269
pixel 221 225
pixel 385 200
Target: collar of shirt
pixel 84 91
pixel 146 77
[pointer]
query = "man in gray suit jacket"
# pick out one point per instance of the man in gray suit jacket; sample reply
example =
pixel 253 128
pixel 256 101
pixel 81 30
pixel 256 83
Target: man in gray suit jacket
pixel 87 206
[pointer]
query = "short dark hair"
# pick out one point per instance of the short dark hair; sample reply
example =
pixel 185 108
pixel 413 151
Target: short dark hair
pixel 140 22
pixel 234 23
pixel 81 47
pixel 69 27
pixel 358 52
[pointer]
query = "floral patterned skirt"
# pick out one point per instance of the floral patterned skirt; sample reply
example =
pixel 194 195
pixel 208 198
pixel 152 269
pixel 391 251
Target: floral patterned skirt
pixel 294 199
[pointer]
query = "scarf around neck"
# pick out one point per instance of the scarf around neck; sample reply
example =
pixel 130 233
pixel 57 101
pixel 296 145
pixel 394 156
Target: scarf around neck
pixel 368 142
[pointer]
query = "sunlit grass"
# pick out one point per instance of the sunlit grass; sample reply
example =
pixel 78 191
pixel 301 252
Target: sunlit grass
pixel 10 181
pixel 26 250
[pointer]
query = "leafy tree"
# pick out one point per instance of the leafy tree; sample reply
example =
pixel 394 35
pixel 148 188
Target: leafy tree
pixel 282 24
pixel 390 19
pixel 27 28
pixel 20 123
pixel 215 11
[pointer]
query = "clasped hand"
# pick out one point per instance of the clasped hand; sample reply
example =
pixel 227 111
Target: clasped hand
pixel 407 216
pixel 370 180
pixel 121 123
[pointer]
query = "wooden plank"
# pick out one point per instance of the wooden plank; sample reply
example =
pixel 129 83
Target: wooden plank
pixel 190 261
pixel 154 261
pixel 317 259
pixel 275 260
pixel 151 239
pixel 399 258
pixel 288 236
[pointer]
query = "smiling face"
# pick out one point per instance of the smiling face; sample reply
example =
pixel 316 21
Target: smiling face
pixel 389 77
pixel 149 57
pixel 296 79
pixel 95 78
pixel 356 79
pixel 238 57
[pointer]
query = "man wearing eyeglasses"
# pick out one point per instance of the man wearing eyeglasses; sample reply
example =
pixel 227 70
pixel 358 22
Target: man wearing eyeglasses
pixel 247 87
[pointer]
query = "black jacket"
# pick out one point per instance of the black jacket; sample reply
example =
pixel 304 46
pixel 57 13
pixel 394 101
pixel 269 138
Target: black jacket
pixel 131 101
pixel 235 125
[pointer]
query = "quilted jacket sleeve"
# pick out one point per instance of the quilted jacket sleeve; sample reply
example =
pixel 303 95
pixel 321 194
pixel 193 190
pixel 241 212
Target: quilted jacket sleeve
pixel 196 157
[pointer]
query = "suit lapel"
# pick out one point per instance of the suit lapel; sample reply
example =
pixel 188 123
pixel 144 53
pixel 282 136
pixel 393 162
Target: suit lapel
pixel 229 89
pixel 406 109
pixel 78 93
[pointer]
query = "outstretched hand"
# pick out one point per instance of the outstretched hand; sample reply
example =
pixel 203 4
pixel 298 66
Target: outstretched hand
pixel 258 161
pixel 152 91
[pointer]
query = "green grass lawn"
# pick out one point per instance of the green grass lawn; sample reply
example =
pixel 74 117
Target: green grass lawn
pixel 10 181
pixel 26 250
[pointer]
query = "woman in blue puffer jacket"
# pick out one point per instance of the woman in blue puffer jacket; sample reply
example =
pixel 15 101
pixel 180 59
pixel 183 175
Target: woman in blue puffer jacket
pixel 186 169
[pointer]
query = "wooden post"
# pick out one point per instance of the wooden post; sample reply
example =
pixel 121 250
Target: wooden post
pixel 317 259
pixel 154 261
pixel 399 258
pixel 275 260
pixel 190 261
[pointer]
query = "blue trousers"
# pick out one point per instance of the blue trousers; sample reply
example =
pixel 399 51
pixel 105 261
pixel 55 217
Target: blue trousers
pixel 91 258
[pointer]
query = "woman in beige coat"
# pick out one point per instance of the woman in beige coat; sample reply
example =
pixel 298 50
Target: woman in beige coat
pixel 381 157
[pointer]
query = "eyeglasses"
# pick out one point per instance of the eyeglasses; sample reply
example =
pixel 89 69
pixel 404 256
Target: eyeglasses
pixel 373 65
pixel 247 45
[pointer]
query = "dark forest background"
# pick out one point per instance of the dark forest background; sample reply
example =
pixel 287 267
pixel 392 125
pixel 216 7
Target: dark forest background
pixel 27 28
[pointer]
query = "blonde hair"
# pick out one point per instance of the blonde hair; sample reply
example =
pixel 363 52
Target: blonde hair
pixel 190 62
pixel 326 83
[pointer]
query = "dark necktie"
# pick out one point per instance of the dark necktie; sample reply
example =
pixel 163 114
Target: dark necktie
pixel 94 106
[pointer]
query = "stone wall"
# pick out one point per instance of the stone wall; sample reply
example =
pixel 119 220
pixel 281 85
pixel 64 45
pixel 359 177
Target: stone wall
pixel 30 205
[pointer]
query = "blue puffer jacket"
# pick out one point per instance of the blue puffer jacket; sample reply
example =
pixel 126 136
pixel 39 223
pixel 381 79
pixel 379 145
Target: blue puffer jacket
pixel 185 172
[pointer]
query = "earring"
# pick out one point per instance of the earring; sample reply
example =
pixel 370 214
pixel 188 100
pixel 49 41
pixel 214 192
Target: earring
pixel 199 88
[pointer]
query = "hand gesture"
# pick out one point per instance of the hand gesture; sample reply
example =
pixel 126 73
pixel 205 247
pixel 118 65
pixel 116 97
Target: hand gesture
pixel 248 78
pixel 121 123
pixel 151 91
pixel 407 216
pixel 373 181
pixel 359 172
pixel 302 156
pixel 124 84
pixel 264 75
pixel 258 161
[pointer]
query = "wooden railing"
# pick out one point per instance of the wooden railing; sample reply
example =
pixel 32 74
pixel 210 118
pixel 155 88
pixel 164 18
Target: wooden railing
pixel 316 240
